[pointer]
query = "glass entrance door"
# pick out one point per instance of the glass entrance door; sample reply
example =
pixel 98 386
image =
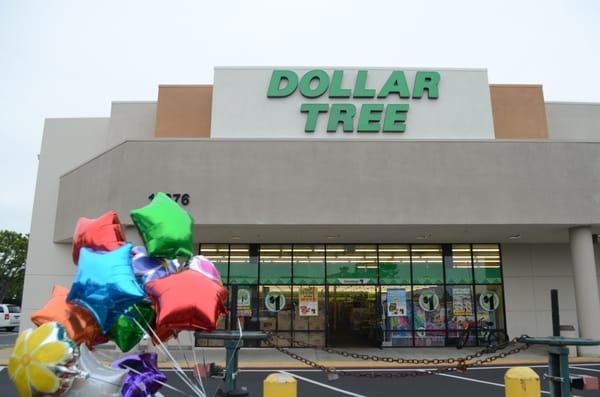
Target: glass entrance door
pixel 352 314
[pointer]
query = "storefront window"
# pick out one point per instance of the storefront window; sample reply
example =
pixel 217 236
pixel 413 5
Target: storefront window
pixel 427 265
pixel 396 315
pixel 389 294
pixel 394 264
pixel 486 263
pixel 219 255
pixel 275 312
pixel 490 313
pixel 429 315
pixel 460 307
pixel 243 264
pixel 309 314
pixel 352 264
pixel 275 264
pixel 309 264
pixel 458 264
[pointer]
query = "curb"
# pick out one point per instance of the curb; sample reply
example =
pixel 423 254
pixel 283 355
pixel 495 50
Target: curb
pixel 277 365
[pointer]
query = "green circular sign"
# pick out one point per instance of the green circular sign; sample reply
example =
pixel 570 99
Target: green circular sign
pixel 275 301
pixel 429 301
pixel 489 301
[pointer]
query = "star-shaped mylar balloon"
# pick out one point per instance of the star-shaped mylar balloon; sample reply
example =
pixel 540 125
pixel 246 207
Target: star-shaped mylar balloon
pixel 187 300
pixel 105 284
pixel 80 324
pixel 104 233
pixel 165 227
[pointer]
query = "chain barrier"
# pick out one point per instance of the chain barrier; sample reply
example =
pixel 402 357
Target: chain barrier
pixel 461 364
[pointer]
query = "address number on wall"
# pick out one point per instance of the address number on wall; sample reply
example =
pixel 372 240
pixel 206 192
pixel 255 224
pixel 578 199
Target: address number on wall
pixel 182 198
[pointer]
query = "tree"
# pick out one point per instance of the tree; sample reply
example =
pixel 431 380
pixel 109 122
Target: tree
pixel 13 253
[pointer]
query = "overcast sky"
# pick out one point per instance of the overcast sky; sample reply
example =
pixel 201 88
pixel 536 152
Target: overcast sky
pixel 72 58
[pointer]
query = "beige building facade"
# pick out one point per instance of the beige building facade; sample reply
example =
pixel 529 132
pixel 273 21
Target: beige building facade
pixel 419 233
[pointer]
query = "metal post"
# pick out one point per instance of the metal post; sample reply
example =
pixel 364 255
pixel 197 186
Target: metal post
pixel 232 350
pixel 558 371
pixel 555 312
pixel 233 342
pixel 233 308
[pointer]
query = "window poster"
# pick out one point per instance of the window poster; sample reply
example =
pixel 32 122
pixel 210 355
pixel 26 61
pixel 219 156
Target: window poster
pixel 244 303
pixel 308 301
pixel 462 303
pixel 396 302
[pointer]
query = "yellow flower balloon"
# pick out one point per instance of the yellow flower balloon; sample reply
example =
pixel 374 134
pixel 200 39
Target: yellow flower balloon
pixel 40 361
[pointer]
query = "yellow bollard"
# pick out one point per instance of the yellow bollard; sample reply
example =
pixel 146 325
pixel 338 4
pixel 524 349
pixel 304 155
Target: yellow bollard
pixel 522 382
pixel 280 385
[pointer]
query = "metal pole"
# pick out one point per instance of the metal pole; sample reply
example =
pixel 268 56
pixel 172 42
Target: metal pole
pixel 555 313
pixel 233 308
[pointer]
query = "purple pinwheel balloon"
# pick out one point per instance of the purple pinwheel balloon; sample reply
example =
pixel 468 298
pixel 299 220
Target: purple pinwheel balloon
pixel 144 378
pixel 147 268
pixel 203 265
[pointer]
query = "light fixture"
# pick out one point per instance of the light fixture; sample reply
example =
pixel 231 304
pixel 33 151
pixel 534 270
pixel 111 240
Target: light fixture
pixel 235 237
pixel 514 237
pixel 422 237
pixel 332 237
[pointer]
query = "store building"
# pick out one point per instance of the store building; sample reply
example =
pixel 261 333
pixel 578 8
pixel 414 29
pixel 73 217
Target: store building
pixel 342 202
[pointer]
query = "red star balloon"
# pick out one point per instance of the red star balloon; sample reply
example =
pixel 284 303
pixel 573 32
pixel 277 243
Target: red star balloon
pixel 80 324
pixel 101 234
pixel 187 300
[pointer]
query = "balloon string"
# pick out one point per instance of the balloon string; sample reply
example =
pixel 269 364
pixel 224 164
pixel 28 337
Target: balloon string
pixel 195 373
pixel 165 352
pixel 182 375
pixel 232 356
pixel 178 370
pixel 139 373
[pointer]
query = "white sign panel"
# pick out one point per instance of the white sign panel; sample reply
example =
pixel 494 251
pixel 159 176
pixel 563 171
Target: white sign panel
pixel 351 103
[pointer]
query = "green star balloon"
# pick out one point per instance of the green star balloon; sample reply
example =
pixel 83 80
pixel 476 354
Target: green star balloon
pixel 165 227
pixel 126 333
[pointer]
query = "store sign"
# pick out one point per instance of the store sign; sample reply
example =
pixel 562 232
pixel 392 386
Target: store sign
pixel 308 301
pixel 352 281
pixel 489 301
pixel 372 117
pixel 429 301
pixel 462 303
pixel 244 303
pixel 275 301
pixel 396 302
pixel 351 103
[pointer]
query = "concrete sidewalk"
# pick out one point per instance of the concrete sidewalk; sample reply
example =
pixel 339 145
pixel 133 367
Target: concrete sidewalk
pixel 271 358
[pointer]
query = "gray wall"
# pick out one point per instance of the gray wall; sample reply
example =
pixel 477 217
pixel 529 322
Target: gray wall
pixel 236 182
pixel 530 272
pixel 573 120
pixel 131 120
pixel 65 144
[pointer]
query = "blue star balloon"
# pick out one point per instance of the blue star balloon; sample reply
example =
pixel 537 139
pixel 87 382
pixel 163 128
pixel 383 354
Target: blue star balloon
pixel 105 284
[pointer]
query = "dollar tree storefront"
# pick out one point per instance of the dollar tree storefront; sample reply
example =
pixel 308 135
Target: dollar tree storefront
pixel 366 294
pixel 349 206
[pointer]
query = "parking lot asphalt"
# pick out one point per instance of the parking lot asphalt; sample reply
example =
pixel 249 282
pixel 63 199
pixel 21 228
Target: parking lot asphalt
pixel 8 338
pixel 488 381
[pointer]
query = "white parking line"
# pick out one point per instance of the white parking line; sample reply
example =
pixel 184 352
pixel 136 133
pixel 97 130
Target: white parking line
pixel 585 369
pixel 479 381
pixel 348 393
